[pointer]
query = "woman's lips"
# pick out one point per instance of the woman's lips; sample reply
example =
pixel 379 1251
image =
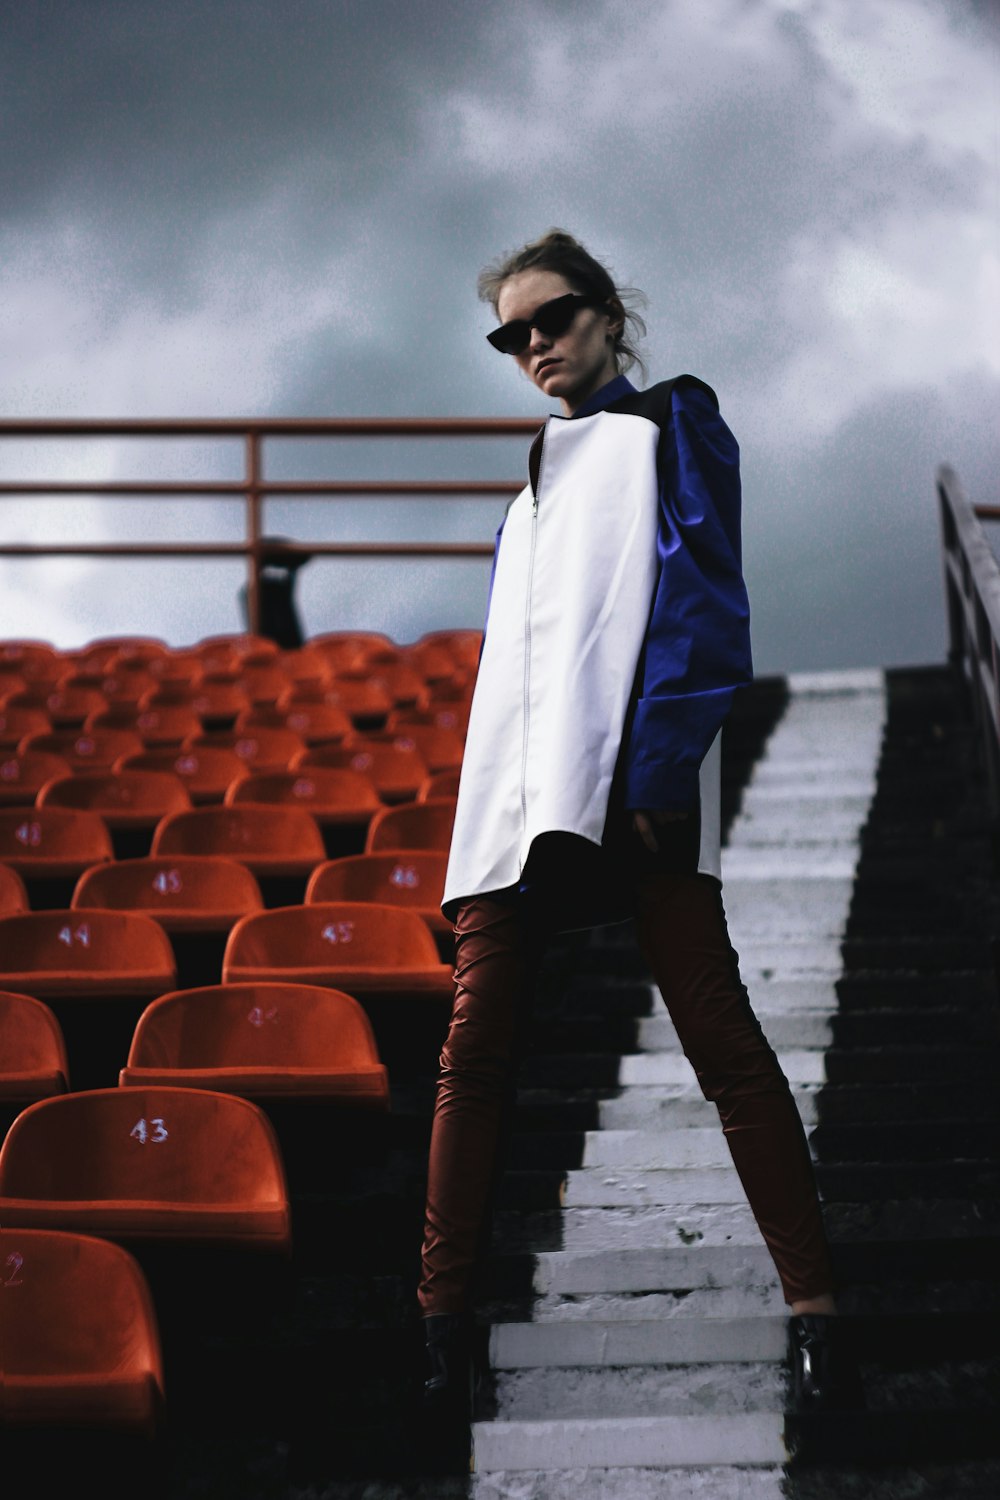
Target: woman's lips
pixel 545 364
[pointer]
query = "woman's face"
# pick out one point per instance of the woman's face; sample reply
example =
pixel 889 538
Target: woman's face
pixel 571 365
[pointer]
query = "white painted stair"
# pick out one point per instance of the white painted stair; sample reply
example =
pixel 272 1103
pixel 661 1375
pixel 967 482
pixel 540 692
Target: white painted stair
pixel 654 1361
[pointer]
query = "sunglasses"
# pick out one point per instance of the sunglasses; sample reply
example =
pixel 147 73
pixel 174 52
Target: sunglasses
pixel 552 319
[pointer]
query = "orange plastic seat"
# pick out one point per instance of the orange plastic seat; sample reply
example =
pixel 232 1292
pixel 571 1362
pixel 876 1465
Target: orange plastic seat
pixel 85 750
pixel 416 825
pixel 263 682
pixel 442 749
pixel 244 646
pixel 364 703
pixel 183 892
pixel 17 724
pixel 23 776
pixel 268 840
pixel 363 947
pixel 206 772
pixel 305 668
pixel 79 1335
pixel 146 1164
pixel 108 648
pixel 441 784
pixel 412 878
pixel 52 842
pixel 334 797
pixel 396 774
pixel 398 681
pixel 33 1060
pixel 13 892
pixel 218 704
pixel 314 723
pixel 170 725
pixel 259 749
pixel 124 799
pixel 66 953
pixel 264 1041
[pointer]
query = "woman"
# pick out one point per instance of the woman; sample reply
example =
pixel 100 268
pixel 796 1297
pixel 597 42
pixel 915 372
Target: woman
pixel 617 631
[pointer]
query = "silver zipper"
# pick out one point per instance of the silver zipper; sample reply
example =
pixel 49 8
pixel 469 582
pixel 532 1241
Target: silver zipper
pixel 527 646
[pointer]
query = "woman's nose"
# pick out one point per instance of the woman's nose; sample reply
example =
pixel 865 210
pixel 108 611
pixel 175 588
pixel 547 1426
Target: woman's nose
pixel 538 340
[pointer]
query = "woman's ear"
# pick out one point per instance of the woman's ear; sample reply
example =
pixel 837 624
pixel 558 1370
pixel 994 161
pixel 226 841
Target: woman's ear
pixel 616 313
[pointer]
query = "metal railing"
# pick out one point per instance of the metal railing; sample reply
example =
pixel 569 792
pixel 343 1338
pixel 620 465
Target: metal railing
pixel 972 598
pixel 254 488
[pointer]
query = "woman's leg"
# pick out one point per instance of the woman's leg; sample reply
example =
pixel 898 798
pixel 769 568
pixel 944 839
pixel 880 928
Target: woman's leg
pixel 496 955
pixel 681 928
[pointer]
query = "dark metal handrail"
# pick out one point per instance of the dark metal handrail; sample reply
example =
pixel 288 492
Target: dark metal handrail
pixel 254 488
pixel 972 601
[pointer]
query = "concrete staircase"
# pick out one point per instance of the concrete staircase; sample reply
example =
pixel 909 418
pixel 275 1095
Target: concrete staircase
pixel 648 1357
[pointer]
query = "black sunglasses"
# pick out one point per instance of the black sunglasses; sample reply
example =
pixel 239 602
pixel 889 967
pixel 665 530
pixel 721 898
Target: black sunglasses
pixel 552 319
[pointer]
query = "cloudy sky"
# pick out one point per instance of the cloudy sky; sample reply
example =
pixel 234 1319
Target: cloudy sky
pixel 235 208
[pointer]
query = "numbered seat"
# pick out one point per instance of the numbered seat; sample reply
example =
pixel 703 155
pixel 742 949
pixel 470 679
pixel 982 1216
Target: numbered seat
pixel 363 947
pixel 170 725
pixel 67 708
pixel 264 1041
pixel 206 770
pixel 73 954
pixel 396 773
pixel 22 776
pixel 314 723
pixel 417 825
pixel 284 841
pixel 258 749
pixel 33 1061
pixel 147 1164
pixel 124 799
pixel 413 879
pixel 13 892
pixel 91 750
pixel 52 842
pixel 183 892
pixel 441 749
pixel 335 797
pixel 79 1337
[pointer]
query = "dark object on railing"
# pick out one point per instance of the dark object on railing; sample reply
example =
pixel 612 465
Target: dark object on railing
pixel 972 597
pixel 280 561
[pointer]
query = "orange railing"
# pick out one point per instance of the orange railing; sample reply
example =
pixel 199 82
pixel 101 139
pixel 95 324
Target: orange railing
pixel 972 595
pixel 255 488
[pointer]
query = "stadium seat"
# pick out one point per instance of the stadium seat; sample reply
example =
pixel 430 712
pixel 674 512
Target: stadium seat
pixel 441 784
pixel 218 704
pixel 33 1061
pixel 67 708
pixel 413 879
pixel 72 954
pixel 440 748
pixel 353 648
pixel 264 1041
pixel 263 682
pixel 268 840
pixel 52 842
pixel 114 648
pixel 314 723
pixel 87 750
pixel 335 797
pixel 23 776
pixel 366 705
pixel 246 647
pixel 79 1339
pixel 396 774
pixel 401 683
pixel 206 771
pixel 260 749
pixel 18 724
pixel 13 892
pixel 183 892
pixel 306 669
pixel 416 825
pixel 363 947
pixel 32 655
pixel 170 725
pixel 124 799
pixel 142 1165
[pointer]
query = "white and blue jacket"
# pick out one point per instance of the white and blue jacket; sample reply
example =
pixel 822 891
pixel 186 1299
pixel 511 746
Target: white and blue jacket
pixel 617 630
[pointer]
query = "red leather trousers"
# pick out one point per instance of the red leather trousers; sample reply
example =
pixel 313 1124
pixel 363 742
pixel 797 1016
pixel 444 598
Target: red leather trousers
pixel 681 929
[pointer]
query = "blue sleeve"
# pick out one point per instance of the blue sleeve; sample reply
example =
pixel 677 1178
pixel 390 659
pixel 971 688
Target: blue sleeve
pixel 697 647
pixel 493 574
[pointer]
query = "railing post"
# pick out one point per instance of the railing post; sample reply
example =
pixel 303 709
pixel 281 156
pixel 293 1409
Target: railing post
pixel 253 502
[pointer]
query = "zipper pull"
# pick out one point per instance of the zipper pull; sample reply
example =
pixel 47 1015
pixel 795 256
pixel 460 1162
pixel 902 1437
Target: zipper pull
pixel 534 505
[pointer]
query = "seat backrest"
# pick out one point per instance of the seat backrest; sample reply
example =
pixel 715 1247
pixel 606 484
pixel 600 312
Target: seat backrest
pixel 89 944
pixel 86 750
pixel 77 1305
pixel 414 877
pixel 317 787
pixel 169 725
pixel 30 834
pixel 240 832
pixel 206 770
pixel 440 784
pixel 253 1025
pixel 332 934
pixel 18 724
pixel 30 1037
pixel 13 892
pixel 162 884
pixel 390 769
pixel 143 1144
pixel 419 825
pixel 154 792
pixel 22 775
pixel 259 749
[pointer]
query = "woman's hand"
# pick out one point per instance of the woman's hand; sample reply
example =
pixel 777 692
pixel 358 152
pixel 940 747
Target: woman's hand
pixel 643 822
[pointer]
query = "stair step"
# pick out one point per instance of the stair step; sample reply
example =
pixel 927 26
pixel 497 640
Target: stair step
pixel 748 1438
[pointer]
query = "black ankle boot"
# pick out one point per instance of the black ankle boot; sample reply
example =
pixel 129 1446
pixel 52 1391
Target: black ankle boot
pixel 825 1376
pixel 448 1393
